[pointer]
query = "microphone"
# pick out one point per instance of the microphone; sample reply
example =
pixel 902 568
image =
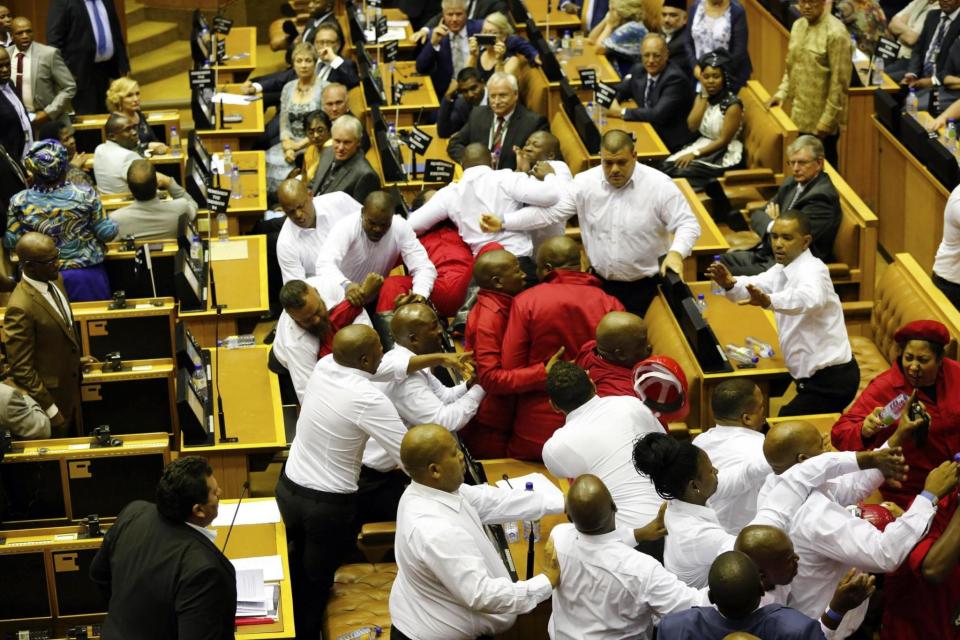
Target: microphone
pixel 246 486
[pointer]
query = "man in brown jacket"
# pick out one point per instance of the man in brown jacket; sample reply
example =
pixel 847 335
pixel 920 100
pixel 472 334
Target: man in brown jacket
pixel 43 349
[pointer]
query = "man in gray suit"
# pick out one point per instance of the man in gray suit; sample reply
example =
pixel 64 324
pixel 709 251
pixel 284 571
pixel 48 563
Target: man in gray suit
pixel 151 218
pixel 21 415
pixel 342 166
pixel 40 76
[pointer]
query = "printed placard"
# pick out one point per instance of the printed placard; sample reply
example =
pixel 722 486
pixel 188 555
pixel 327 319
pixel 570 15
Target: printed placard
pixel 380 27
pixel 887 49
pixel 217 199
pixel 419 141
pixel 201 79
pixel 588 78
pixel 605 95
pixel 391 50
pixel 438 171
pixel 222 25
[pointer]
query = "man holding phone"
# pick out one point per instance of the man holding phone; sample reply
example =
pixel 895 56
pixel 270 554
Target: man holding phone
pixel 463 94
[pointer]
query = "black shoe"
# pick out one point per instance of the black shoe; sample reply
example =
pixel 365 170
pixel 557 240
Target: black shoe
pixel 270 337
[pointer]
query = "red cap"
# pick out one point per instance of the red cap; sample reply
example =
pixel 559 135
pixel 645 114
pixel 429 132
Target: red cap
pixel 929 330
pixel 660 382
pixel 876 514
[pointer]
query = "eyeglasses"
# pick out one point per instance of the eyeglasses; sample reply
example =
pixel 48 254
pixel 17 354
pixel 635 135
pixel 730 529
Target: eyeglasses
pixel 48 262
pixel 800 163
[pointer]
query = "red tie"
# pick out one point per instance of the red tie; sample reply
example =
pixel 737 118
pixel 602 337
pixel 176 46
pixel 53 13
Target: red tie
pixel 497 141
pixel 18 83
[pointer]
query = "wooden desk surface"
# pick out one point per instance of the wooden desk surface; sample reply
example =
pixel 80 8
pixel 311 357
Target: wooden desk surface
pixel 423 98
pixel 556 21
pixel 251 401
pixel 81 447
pixel 437 151
pixel 822 421
pixel 241 284
pixel 863 71
pixel 241 51
pixel 135 308
pixel 253 179
pixel 132 370
pixel 591 58
pixel 251 125
pixel 649 145
pixel 393 15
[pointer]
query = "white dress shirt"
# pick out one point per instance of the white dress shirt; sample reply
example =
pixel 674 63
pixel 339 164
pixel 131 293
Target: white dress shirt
pixel 341 410
pixel 110 164
pixel 947 262
pixel 44 289
pixel 26 88
pixel 830 540
pixel 296 348
pixel 96 9
pixel 348 254
pixel 727 447
pixel 598 438
pixel 625 230
pixel 543 223
pixel 298 249
pixel 420 398
pixel 483 190
pixel 451 582
pixel 610 591
pixel 209 533
pixel 809 317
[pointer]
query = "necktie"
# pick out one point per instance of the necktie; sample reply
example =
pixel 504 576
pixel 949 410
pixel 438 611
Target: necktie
pixel 328 178
pixel 98 28
pixel 56 299
pixel 648 92
pixel 18 82
pixel 796 196
pixel 457 50
pixel 497 141
pixel 930 61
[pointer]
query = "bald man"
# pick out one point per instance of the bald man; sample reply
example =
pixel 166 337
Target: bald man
pixel 607 589
pixel 306 227
pixel 563 311
pixel 500 278
pixel 735 590
pixel 373 242
pixel 772 551
pixel 828 538
pixel 621 343
pixel 451 583
pixel 317 490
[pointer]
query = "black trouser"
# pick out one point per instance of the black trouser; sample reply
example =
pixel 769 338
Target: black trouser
pixel 653 548
pixel 320 534
pixel 950 289
pixel 635 295
pixel 828 390
pixel 396 634
pixel 379 494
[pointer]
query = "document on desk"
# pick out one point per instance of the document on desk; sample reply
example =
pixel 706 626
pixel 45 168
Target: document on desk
pixel 271 566
pixel 234 98
pixel 228 250
pixel 259 512
pixel 250 585
pixel 541 484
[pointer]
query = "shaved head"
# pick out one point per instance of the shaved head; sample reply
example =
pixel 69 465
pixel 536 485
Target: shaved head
pixel 791 442
pixel 498 271
pixel 358 346
pixel 772 551
pixel 38 256
pixel 590 506
pixel 559 252
pixel 622 338
pixel 415 327
pixel 292 190
pixel 735 587
pixel 475 155
pixel 431 457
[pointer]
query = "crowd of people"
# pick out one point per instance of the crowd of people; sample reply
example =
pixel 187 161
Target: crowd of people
pixel 747 529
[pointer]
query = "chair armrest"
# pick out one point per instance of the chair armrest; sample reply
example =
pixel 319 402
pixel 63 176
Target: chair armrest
pixel 377 534
pixel 749 176
pixel 839 269
pixel 857 310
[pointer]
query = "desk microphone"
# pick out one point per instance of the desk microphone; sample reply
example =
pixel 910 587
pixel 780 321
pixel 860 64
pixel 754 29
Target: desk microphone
pixel 246 486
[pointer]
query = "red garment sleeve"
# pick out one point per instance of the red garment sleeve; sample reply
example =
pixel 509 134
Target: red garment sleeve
pixel 491 374
pixel 845 434
pixel 340 316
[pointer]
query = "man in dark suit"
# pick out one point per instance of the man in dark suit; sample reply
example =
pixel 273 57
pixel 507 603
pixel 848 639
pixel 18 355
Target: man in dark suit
pixel 465 93
pixel 87 33
pixel 809 190
pixel 43 348
pixel 928 60
pixel 448 49
pixel 501 125
pixel 17 133
pixel 662 90
pixel 590 11
pixel 159 567
pixel 342 165
pixel 475 9
pixel 673 26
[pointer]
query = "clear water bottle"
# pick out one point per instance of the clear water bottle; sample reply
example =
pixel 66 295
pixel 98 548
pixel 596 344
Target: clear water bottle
pixel 912 105
pixel 495 159
pixel 578 44
pixel 702 303
pixel 894 409
pixel 531 526
pixel 511 531
pixel 196 248
pixel 393 138
pixel 223 231
pixel 877 77
pixel 601 117
pixel 236 187
pixel 951 135
pixel 761 348
pixel 227 159
pixel 174 142
pixel 565 43
pixel 715 287
pixel 241 341
pixel 591 112
pixel 363 633
pixel 554 45
pixel 741 355
pixel 200 381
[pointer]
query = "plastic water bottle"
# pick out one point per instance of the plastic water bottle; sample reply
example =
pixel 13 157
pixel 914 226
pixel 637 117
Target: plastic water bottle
pixel 951 136
pixel 565 43
pixel 393 138
pixel 591 112
pixel 495 159
pixel 715 287
pixel 553 46
pixel 363 633
pixel 196 248
pixel 741 355
pixel 511 531
pixel 578 44
pixel 174 142
pixel 223 232
pixel 236 187
pixel 912 105
pixel 702 303
pixel 200 381
pixel 601 117
pixel 761 348
pixel 531 525
pixel 227 159
pixel 241 341
pixel 894 409
pixel 877 77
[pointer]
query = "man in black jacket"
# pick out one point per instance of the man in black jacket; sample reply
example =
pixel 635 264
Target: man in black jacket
pixel 501 126
pixel 662 90
pixel 809 190
pixel 158 564
pixel 343 166
pixel 463 94
pixel 929 56
pixel 673 26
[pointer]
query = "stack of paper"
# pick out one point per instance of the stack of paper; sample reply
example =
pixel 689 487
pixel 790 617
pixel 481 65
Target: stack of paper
pixel 541 484
pixel 254 598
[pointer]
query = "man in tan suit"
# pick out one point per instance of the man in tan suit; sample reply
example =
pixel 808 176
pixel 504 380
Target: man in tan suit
pixel 43 349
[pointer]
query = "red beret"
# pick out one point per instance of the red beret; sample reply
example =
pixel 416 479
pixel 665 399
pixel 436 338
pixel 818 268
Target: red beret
pixel 876 514
pixel 929 330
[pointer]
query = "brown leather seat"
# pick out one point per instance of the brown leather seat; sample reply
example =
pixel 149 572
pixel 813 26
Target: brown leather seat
pixel 360 598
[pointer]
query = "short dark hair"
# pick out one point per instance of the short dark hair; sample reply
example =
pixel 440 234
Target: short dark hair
pixel 616 140
pixel 732 398
pixel 803 222
pixel 142 180
pixel 113 123
pixel 670 464
pixel 182 485
pixel 568 386
pixel 51 130
pixel 293 294
pixel 317 115
pixel 469 73
pixel 332 26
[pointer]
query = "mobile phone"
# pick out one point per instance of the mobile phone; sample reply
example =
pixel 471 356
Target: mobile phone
pixel 486 40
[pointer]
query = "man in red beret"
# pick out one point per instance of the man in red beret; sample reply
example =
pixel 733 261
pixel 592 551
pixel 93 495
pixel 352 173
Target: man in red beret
pixel 921 373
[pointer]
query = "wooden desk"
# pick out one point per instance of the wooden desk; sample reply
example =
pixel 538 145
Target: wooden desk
pixel 711 241
pixel 139 398
pixel 822 421
pixel 910 201
pixel 650 147
pixel 436 151
pixel 252 412
pixel 239 135
pixel 241 52
pixel 412 103
pixel 243 213
pixel 407 47
pixel 553 23
pixel 590 59
pixel 103 330
pixel 156 119
pixel 241 287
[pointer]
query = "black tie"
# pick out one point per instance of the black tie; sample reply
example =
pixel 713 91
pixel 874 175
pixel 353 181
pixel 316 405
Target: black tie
pixel 648 92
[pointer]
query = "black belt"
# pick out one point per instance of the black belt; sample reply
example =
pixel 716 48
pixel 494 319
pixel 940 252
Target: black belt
pixel 396 634
pixel 313 494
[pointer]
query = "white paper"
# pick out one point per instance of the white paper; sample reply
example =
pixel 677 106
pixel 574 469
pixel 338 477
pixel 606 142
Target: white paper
pixel 264 606
pixel 250 585
pixel 391 34
pixel 271 566
pixel 541 484
pixel 397 24
pixel 259 512
pixel 231 98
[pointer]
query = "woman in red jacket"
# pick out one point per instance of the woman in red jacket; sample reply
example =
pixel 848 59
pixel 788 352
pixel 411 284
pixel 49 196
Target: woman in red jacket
pixel 920 369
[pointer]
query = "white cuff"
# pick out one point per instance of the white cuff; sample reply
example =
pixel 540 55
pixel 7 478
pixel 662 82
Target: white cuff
pixel 52 411
pixel 257 86
pixel 539 586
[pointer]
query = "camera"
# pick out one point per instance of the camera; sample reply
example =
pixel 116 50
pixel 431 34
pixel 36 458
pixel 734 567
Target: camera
pixel 119 300
pixel 113 361
pixel 101 436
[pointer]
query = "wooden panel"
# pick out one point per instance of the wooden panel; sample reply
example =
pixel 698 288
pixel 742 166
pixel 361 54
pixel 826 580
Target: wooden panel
pixel 767 44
